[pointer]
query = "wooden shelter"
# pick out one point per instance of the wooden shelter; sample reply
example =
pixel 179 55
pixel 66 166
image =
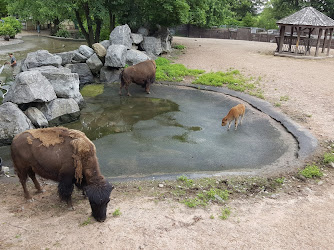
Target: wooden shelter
pixel 303 31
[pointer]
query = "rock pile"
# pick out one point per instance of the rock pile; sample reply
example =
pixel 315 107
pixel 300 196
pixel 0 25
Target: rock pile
pixel 46 91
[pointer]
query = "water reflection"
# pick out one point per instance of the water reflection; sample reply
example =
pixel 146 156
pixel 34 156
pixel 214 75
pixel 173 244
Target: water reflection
pixel 108 114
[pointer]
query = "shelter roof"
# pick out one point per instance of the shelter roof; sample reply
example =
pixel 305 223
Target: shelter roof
pixel 308 17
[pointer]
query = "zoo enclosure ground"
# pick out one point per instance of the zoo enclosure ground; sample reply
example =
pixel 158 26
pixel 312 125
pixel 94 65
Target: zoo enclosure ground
pixel 298 217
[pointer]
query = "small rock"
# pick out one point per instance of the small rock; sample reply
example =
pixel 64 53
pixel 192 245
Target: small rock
pixel 161 185
pixel 320 183
pixel 5 169
pixel 274 196
pixel 331 164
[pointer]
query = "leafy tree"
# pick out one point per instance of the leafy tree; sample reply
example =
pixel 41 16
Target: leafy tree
pixel 12 21
pixel 3 8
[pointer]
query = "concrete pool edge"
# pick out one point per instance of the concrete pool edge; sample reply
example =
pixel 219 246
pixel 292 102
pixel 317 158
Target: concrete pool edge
pixel 307 143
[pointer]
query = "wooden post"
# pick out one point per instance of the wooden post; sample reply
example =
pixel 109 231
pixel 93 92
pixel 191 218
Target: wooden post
pixel 298 38
pixel 324 42
pixel 318 42
pixel 330 40
pixel 281 39
pixel 291 35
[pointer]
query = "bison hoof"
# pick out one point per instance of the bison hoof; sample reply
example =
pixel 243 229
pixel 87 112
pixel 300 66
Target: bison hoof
pixel 40 191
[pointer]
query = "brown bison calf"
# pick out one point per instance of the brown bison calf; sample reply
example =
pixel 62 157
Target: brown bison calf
pixel 66 156
pixel 142 74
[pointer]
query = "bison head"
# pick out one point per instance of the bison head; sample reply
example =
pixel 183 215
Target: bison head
pixel 98 196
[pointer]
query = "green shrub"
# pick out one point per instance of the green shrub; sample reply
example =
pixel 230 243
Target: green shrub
pixel 63 33
pixel 311 171
pixel 179 46
pixel 7 30
pixel 14 23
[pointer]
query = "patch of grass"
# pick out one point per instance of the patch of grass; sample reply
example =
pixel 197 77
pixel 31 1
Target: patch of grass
pixel 205 197
pixel 311 171
pixel 277 104
pixel 86 222
pixel 212 217
pixel 280 180
pixel 284 98
pixel 184 179
pixel 225 213
pixel 116 213
pixel 166 71
pixel 181 138
pixel 92 90
pixel 328 158
pixel 232 79
pixel 179 46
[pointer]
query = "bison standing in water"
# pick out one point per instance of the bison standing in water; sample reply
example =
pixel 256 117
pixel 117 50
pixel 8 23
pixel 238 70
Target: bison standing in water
pixel 66 156
pixel 142 74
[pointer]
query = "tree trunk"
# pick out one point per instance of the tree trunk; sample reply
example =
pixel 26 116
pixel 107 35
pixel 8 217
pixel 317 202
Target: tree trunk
pixel 82 28
pixel 98 30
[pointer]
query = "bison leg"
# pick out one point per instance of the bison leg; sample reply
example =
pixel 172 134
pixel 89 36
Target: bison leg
pixel 23 179
pixel 147 88
pixel 37 185
pixel 65 189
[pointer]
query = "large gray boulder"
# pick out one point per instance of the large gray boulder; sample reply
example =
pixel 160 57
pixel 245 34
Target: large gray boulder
pixel 86 51
pixel 78 57
pixel 143 31
pixel 36 117
pixel 110 74
pixel 94 63
pixel 116 56
pixel 60 111
pixel 137 38
pixel 30 86
pixel 151 45
pixel 41 58
pixel 12 122
pixel 64 82
pixel 105 44
pixel 135 56
pixel 66 57
pixel 121 35
pixel 82 69
pixel 99 49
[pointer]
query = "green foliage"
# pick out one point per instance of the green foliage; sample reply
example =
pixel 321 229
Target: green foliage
pixel 311 171
pixel 63 33
pixel 188 182
pixel 280 180
pixel 116 213
pixel 203 198
pixel 92 90
pixel 248 20
pixel 179 46
pixel 225 213
pixel 232 79
pixel 172 72
pixel 14 23
pixel 328 158
pixel 7 30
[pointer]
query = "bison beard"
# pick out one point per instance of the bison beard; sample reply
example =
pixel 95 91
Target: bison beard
pixel 66 156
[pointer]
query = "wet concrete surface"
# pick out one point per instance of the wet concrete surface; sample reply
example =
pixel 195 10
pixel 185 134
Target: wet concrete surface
pixel 178 130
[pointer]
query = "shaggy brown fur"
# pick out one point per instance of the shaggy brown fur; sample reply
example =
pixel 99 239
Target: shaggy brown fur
pixel 62 155
pixel 142 74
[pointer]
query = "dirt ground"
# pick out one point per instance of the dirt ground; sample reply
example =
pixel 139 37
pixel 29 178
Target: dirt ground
pixel 298 216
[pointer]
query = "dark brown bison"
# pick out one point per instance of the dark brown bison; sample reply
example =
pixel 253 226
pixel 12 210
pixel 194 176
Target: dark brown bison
pixel 142 74
pixel 66 156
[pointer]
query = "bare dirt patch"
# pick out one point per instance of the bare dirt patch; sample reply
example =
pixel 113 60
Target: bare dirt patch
pixel 297 215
